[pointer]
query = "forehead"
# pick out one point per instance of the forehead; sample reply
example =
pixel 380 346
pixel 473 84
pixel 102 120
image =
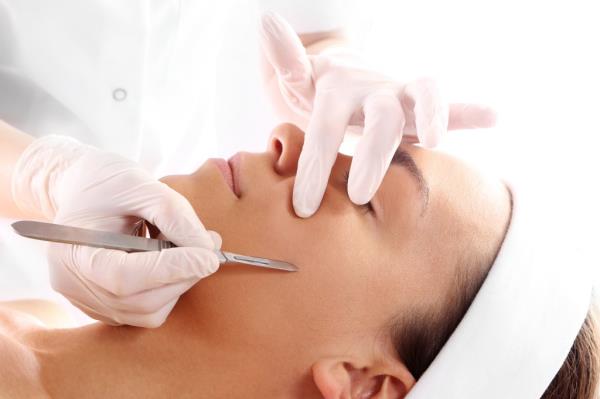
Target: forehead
pixel 459 192
pixel 455 192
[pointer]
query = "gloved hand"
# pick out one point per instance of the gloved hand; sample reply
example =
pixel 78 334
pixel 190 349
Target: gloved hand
pixel 333 90
pixel 78 185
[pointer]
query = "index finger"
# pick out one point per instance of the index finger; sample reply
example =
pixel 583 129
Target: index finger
pixel 174 216
pixel 323 139
pixel 124 274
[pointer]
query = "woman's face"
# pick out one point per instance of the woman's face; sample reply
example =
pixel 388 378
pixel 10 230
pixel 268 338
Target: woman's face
pixel 359 267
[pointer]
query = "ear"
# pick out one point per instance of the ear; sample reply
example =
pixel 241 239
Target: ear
pixel 342 378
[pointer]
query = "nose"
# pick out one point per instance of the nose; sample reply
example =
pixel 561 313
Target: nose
pixel 285 145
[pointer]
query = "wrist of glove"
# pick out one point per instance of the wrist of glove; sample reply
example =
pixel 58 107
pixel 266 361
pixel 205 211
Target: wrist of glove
pixel 79 185
pixel 39 172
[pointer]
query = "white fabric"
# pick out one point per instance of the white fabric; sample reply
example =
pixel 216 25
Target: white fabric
pixel 135 78
pixel 519 329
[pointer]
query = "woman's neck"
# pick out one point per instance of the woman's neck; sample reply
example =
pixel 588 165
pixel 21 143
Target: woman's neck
pixel 175 360
pixel 104 361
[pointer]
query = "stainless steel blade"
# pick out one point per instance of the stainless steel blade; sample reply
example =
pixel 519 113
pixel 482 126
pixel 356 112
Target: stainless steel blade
pixel 104 239
pixel 259 262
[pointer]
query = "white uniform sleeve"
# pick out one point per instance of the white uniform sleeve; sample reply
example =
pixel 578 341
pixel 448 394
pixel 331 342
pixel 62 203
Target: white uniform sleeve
pixel 309 16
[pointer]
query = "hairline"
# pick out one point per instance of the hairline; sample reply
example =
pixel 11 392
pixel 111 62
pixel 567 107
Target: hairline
pixel 428 330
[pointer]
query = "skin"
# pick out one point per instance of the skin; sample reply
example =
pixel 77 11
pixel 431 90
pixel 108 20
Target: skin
pixel 12 144
pixel 320 332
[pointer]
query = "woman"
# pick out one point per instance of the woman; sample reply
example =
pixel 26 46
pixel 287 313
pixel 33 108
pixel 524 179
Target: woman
pixel 379 291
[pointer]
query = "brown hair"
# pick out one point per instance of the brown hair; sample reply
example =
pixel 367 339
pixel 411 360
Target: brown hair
pixel 579 374
pixel 419 338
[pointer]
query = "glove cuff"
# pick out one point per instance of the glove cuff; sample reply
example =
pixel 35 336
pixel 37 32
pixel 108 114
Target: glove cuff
pixel 38 172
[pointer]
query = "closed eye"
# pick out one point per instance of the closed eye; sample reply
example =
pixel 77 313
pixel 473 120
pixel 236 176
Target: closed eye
pixel 403 159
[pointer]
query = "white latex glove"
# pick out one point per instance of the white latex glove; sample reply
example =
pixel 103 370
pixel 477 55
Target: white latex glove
pixel 334 90
pixel 78 185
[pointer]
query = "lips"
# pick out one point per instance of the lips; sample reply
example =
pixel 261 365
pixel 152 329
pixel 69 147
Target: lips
pixel 234 166
pixel 230 171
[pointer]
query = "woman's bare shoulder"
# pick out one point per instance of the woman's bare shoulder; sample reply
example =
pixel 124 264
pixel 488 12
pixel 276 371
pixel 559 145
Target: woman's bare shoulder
pixel 28 313
pixel 19 369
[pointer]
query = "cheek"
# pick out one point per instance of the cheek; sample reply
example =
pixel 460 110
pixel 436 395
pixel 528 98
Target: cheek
pixel 339 259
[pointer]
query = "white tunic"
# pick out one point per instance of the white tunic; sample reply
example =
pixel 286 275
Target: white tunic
pixel 136 78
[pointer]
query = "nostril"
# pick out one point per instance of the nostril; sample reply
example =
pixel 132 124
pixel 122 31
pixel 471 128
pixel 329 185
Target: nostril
pixel 278 147
pixel 284 147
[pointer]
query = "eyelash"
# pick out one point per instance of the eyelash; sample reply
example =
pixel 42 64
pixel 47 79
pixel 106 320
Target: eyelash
pixel 368 207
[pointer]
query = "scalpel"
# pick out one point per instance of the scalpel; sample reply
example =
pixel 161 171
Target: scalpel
pixel 104 239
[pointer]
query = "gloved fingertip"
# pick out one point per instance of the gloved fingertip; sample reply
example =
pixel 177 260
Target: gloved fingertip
pixel 283 49
pixel 305 204
pixel 303 211
pixel 216 239
pixel 268 14
pixel 489 117
pixel 431 135
pixel 362 185
pixel 270 24
pixel 204 262
pixel 273 17
pixel 156 319
pixel 358 196
pixel 151 322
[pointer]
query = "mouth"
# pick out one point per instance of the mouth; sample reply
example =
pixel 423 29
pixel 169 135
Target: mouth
pixel 235 163
pixel 230 172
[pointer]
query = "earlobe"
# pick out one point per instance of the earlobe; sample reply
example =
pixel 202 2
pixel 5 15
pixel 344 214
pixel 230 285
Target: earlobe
pixel 339 378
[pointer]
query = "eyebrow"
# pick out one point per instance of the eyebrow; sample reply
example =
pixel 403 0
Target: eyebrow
pixel 404 159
